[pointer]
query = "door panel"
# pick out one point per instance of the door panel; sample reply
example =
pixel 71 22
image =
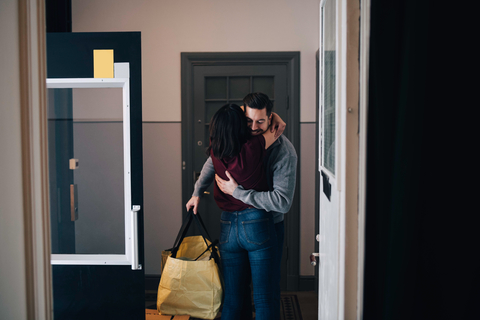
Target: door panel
pixel 95 206
pixel 329 219
pixel 99 198
pixel 93 187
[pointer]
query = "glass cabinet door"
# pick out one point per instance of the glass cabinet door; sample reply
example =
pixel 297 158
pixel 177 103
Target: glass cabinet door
pixel 92 220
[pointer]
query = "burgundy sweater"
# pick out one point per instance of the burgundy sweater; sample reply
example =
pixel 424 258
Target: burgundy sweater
pixel 246 168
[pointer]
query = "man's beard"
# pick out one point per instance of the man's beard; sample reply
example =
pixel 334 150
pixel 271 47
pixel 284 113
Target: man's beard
pixel 257 132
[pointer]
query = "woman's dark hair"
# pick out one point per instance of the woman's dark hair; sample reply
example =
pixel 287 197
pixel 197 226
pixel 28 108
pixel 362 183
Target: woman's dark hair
pixel 258 100
pixel 228 131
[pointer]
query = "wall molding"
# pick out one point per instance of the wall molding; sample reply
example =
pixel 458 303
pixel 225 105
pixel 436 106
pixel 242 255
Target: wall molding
pixel 33 122
pixel 180 122
pixel 152 281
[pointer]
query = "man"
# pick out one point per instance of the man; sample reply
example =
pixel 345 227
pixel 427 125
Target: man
pixel 280 165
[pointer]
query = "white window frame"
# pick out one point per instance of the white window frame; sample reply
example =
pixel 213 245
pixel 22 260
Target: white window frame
pixel 333 177
pixel 131 232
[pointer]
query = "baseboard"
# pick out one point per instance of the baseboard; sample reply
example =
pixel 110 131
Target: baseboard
pixel 306 283
pixel 151 282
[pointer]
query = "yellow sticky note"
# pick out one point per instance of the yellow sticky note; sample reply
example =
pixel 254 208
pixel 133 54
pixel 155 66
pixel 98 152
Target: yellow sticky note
pixel 103 63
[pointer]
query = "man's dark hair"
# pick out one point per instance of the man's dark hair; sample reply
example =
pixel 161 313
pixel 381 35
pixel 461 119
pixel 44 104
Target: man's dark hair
pixel 228 131
pixel 258 100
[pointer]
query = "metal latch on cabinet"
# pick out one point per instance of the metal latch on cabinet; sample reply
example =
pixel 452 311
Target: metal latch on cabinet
pixel 135 264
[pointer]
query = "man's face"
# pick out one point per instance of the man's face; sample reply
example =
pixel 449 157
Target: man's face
pixel 257 120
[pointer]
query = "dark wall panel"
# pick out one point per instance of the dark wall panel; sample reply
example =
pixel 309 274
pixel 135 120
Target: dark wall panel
pixel 419 260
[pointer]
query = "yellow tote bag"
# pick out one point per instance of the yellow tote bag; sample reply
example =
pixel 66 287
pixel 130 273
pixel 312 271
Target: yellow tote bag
pixel 191 247
pixel 191 282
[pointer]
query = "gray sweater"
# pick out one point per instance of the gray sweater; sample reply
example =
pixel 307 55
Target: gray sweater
pixel 281 166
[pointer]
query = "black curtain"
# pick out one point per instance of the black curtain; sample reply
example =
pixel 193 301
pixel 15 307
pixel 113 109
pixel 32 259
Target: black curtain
pixel 59 15
pixel 421 243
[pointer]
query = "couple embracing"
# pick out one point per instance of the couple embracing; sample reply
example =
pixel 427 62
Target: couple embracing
pixel 254 167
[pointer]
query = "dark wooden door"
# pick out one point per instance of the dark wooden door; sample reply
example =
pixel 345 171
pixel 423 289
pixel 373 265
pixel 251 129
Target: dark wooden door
pixel 83 290
pixel 217 79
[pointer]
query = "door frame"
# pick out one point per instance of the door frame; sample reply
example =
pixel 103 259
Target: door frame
pixel 364 62
pixel 292 61
pixel 38 291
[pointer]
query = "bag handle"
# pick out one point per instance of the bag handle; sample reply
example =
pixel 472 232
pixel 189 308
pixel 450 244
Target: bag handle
pixel 183 230
pixel 201 226
pixel 185 226
pixel 203 229
pixel 213 244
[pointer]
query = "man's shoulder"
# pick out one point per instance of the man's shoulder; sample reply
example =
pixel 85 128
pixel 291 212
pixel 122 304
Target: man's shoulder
pixel 287 146
pixel 283 147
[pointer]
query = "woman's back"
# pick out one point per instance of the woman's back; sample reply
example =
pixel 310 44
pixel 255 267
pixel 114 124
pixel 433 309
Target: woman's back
pixel 246 168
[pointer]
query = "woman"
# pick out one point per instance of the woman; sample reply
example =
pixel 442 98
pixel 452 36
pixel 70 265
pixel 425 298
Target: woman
pixel 247 237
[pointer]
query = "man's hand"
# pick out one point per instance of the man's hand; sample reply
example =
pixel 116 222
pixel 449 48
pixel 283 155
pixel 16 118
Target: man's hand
pixel 193 202
pixel 227 187
pixel 277 124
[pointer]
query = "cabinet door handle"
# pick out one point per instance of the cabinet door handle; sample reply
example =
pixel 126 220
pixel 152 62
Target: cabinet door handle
pixel 135 264
pixel 73 202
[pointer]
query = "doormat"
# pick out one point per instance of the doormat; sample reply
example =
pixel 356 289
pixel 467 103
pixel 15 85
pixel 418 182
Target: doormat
pixel 290 308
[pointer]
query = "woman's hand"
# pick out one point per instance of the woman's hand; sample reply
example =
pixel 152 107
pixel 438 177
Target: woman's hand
pixel 277 124
pixel 193 202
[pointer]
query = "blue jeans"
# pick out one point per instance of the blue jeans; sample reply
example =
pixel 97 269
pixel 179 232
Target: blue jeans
pixel 248 246
pixel 247 300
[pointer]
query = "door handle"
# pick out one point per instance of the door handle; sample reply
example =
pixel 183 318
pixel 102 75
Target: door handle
pixel 313 256
pixel 196 175
pixel 73 202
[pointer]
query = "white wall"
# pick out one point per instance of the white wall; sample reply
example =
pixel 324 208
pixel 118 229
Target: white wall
pixel 12 261
pixel 172 26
